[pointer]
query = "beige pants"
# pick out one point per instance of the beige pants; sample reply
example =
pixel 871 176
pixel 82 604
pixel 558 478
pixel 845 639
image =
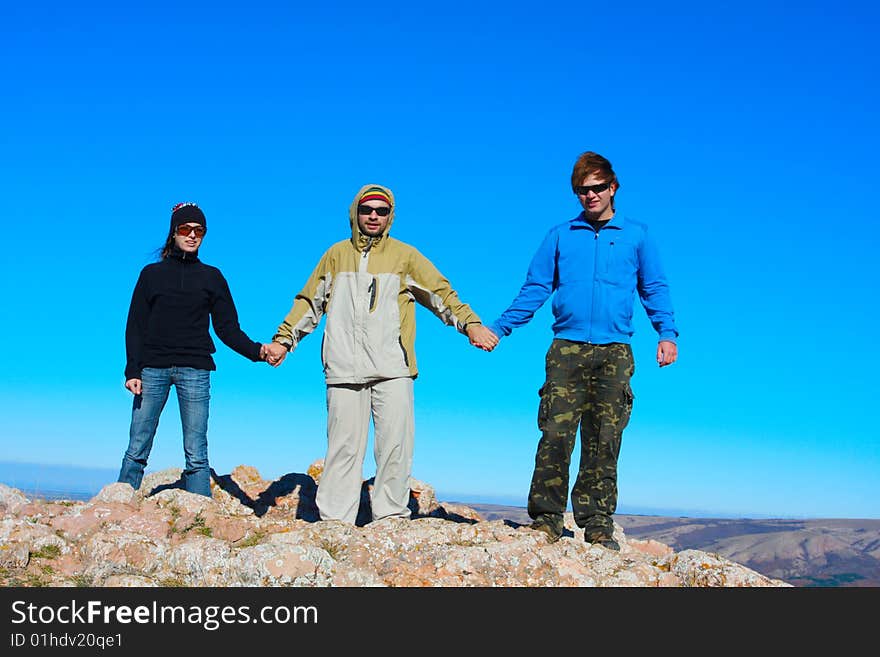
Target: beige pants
pixel 349 408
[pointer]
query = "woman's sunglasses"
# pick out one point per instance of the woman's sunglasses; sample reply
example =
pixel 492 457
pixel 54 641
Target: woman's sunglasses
pixel 183 230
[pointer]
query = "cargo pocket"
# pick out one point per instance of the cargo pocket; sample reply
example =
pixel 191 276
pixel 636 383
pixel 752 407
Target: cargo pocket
pixel 626 411
pixel 543 408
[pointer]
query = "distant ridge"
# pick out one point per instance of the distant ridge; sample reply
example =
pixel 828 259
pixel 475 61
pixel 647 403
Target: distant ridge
pixel 829 552
pixel 57 481
pixel 53 481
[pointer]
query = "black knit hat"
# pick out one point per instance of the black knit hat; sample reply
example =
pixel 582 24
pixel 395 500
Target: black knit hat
pixel 184 213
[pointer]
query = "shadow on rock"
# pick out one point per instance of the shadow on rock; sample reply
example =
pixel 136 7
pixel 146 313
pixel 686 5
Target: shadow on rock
pixel 306 509
pixel 179 484
pixel 365 509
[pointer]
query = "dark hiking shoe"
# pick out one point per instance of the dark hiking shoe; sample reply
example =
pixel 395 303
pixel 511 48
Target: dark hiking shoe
pixel 605 540
pixel 610 543
pixel 552 536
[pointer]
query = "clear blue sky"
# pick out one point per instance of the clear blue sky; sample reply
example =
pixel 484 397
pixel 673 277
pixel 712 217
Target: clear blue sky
pixel 745 135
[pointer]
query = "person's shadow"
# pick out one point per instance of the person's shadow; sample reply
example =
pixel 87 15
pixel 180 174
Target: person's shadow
pixel 180 484
pixel 365 510
pixel 307 508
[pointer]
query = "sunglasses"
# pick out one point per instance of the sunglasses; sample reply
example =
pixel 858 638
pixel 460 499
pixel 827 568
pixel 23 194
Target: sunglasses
pixel 366 210
pixel 183 230
pixel 583 190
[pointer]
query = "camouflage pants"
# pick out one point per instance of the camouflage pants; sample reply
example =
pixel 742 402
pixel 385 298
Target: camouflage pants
pixel 587 385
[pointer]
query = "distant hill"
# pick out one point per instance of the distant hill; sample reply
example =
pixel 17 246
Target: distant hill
pixel 820 552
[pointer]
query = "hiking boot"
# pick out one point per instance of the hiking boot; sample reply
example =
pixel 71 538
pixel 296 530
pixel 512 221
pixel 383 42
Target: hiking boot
pixel 605 540
pixel 552 536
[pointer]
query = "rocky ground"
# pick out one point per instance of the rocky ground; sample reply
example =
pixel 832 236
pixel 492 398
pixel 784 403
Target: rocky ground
pixel 254 532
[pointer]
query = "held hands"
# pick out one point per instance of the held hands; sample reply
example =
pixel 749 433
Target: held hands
pixel 481 337
pixel 273 353
pixel 135 386
pixel 667 353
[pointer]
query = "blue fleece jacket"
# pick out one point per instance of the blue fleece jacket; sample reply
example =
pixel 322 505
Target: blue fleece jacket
pixel 595 276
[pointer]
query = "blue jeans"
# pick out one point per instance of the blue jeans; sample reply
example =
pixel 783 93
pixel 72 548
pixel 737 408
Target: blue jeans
pixel 193 394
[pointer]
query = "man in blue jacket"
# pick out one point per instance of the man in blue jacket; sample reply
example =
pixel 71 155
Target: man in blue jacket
pixel 593 265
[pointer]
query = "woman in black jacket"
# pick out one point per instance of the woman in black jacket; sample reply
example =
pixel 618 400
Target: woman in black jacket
pixel 167 343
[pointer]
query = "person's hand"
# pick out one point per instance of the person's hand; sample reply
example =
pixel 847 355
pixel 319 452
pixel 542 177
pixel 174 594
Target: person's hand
pixel 275 353
pixel 667 353
pixel 135 386
pixel 482 337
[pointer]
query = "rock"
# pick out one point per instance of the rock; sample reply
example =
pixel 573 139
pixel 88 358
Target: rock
pixel 424 496
pixel 200 561
pixel 181 500
pixel 228 529
pixel 14 555
pixel 696 568
pixel 457 512
pixel 116 492
pixel 155 482
pixel 247 476
pixel 649 547
pixel 152 522
pixel 11 500
pixel 128 581
pixel 283 563
pixel 315 470
pixel 254 532
pixel 106 554
pixel 90 517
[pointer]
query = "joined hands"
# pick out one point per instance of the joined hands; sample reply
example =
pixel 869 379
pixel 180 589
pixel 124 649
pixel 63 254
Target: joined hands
pixel 482 337
pixel 273 353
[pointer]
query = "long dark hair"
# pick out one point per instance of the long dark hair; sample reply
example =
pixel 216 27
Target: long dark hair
pixel 165 250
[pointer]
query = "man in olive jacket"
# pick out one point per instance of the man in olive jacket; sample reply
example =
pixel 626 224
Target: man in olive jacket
pixel 367 286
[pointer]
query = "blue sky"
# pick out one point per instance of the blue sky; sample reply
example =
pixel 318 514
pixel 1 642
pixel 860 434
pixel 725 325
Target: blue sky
pixel 744 134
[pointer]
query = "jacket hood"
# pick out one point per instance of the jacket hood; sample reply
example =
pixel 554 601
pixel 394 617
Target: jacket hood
pixel 360 240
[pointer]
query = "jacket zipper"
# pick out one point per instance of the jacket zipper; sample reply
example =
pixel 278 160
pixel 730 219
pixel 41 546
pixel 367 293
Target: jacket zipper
pixel 373 294
pixel 359 319
pixel 593 295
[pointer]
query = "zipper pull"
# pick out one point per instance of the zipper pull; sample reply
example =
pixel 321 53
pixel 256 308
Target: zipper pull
pixel 372 290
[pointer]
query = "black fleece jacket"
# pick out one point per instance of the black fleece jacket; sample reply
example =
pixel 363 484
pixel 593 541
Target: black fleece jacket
pixel 168 317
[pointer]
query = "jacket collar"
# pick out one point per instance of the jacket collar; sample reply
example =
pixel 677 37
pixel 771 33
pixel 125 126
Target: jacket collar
pixel 363 243
pixel 183 256
pixel 616 221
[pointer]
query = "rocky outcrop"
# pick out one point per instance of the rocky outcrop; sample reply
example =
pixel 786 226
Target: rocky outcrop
pixel 254 532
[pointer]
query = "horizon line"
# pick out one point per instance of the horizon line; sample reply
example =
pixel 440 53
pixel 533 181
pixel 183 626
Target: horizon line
pixel 84 491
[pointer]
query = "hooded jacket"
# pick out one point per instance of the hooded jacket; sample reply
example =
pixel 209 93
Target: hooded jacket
pixel 367 287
